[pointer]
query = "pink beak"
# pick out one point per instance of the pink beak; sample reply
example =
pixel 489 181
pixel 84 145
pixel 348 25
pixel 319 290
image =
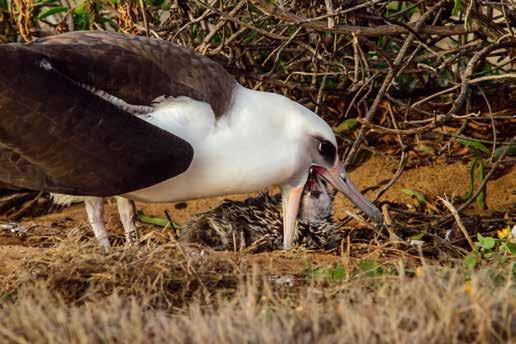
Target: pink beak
pixel 338 178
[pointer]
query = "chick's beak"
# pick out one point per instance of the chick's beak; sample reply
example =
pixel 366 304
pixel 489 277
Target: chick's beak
pixel 337 176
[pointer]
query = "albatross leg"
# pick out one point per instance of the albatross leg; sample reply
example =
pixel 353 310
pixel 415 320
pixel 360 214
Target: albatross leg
pixel 95 211
pixel 127 211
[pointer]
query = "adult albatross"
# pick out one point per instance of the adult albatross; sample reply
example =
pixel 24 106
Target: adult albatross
pixel 100 114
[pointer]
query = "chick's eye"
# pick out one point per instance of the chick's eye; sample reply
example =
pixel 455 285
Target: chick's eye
pixel 328 151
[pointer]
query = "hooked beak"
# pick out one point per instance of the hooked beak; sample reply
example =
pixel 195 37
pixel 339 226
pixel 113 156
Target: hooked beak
pixel 291 199
pixel 338 178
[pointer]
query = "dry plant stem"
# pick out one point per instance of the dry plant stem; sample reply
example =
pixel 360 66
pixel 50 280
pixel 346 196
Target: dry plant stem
pixel 69 20
pixel 356 57
pixel 418 130
pixel 468 72
pixel 353 100
pixel 278 51
pixel 488 104
pixel 382 30
pixel 329 9
pixel 320 94
pixel 401 165
pixel 374 47
pixel 432 96
pixel 360 220
pixel 238 21
pixel 232 14
pixel 227 42
pixel 397 64
pixel 388 224
pixel 492 77
pixel 448 144
pixel 341 11
pixel 456 215
pixel 203 16
pixel 502 143
pixel 17 215
pixel 144 15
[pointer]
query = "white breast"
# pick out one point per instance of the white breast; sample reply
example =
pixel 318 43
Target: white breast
pixel 245 150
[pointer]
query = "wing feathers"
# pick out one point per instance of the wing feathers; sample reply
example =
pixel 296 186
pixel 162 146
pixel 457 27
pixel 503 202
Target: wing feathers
pixel 63 138
pixel 138 69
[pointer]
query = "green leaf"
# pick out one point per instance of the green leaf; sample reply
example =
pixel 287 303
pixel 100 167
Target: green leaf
pixel 51 11
pixel 217 39
pixel 481 198
pixel 81 17
pixel 498 152
pixel 405 81
pixel 471 186
pixel 330 84
pixel 251 37
pixel 154 220
pixel 155 2
pixel 318 274
pixel 339 273
pixel 444 79
pixel 471 260
pixel 346 125
pixel 486 243
pixel 328 273
pixel 456 7
pixel 253 9
pixel 419 195
pixel 371 269
pixel 418 236
pixel 511 248
pixel 46 3
pixel 393 6
pixel 474 145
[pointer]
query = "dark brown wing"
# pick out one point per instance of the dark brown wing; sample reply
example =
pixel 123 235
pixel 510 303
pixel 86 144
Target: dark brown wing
pixel 57 136
pixel 137 69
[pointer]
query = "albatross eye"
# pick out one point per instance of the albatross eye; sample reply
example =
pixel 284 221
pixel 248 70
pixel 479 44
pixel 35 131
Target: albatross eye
pixel 328 151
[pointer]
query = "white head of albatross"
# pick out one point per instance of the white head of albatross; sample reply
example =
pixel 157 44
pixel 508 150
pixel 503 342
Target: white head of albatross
pixel 161 124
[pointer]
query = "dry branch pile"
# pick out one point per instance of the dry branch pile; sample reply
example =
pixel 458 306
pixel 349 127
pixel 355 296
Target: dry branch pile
pixel 435 60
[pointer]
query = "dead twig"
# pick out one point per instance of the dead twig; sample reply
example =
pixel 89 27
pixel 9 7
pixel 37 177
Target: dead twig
pixel 456 215
pixel 397 64
pixel 461 97
pixel 144 15
pixel 382 30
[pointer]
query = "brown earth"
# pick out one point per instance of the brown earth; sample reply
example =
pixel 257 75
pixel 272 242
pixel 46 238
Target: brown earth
pixel 438 180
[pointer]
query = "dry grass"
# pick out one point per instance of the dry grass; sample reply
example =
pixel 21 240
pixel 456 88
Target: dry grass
pixel 75 293
pixel 163 275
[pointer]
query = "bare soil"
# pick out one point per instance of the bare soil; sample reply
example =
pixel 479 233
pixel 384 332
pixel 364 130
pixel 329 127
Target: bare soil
pixel 441 179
